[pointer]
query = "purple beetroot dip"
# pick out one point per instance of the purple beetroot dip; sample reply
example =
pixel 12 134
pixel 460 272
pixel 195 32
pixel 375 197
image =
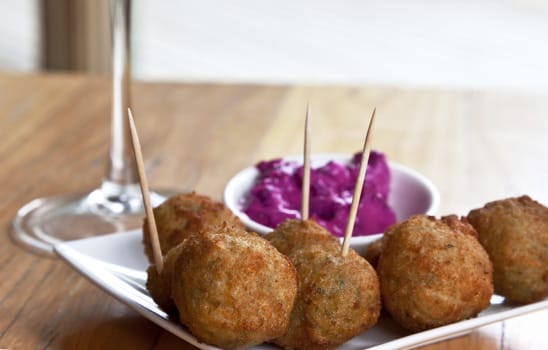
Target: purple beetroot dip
pixel 276 195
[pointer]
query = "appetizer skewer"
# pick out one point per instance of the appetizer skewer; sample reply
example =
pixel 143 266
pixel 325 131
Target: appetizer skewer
pixel 338 295
pixel 232 289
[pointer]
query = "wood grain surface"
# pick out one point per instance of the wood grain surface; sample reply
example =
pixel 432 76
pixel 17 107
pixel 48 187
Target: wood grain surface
pixel 54 129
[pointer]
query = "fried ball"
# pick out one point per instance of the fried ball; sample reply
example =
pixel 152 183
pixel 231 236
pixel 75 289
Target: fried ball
pixel 233 291
pixel 433 272
pixel 338 296
pixel 292 235
pixel 373 252
pixel 514 232
pixel 184 214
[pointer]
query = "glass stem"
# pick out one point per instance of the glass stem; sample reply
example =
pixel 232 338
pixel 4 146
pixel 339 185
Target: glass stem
pixel 121 168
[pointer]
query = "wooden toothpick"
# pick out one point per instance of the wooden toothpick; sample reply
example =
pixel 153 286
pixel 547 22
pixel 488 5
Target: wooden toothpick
pixel 158 260
pixel 358 187
pixel 306 168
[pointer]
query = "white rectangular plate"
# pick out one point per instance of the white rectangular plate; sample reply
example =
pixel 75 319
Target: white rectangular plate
pixel 116 263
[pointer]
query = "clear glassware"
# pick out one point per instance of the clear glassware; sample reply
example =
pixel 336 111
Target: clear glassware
pixel 117 204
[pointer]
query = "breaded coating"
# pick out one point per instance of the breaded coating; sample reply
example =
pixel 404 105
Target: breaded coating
pixel 233 291
pixel 338 296
pixel 373 252
pixel 433 272
pixel 514 232
pixel 184 214
pixel 292 235
pixel 159 284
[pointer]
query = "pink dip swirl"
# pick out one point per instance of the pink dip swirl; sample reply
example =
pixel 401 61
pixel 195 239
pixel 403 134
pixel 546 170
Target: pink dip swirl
pixel 276 195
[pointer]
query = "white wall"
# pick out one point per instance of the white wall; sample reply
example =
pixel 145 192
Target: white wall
pixel 19 35
pixel 488 43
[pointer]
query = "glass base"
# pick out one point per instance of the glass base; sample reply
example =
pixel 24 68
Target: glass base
pixel 44 222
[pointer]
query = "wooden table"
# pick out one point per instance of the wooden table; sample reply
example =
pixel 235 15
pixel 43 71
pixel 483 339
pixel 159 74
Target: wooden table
pixel 475 146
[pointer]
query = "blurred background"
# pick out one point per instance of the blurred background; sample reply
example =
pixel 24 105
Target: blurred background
pixel 484 44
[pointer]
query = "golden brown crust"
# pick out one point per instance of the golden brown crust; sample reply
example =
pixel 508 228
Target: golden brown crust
pixel 184 214
pixel 433 272
pixel 458 224
pixel 338 299
pixel 514 232
pixel 373 252
pixel 338 296
pixel 159 284
pixel 233 291
pixel 292 235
